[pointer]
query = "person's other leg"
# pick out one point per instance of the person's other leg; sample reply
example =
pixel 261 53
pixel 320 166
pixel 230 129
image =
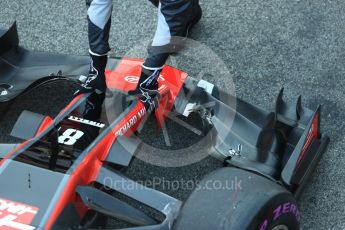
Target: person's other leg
pixel 174 20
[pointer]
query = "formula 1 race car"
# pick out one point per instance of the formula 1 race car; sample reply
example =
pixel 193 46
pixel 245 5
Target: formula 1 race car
pixel 59 176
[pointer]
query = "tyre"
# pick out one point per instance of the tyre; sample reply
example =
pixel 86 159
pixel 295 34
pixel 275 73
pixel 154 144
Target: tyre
pixel 234 199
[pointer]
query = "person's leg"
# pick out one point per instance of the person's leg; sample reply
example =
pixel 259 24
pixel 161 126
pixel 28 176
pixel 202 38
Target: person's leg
pixel 99 22
pixel 91 110
pixel 175 17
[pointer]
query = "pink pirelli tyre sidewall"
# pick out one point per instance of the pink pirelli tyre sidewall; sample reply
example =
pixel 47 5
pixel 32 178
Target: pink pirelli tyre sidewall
pixel 234 199
pixel 281 213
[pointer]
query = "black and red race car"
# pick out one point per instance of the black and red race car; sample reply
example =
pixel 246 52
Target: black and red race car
pixel 61 176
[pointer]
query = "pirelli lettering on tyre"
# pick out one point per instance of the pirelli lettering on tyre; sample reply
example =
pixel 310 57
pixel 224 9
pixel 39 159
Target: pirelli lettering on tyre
pixel 15 215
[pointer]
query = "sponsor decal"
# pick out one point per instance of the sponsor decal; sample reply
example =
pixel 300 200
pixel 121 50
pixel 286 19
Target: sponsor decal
pixel 131 122
pixel 15 215
pixel 85 121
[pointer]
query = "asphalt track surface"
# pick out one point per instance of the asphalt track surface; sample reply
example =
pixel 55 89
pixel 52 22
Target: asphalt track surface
pixel 266 45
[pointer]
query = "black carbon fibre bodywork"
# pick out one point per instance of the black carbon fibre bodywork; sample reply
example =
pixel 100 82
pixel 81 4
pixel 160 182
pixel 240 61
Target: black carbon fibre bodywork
pixel 22 70
pixel 269 143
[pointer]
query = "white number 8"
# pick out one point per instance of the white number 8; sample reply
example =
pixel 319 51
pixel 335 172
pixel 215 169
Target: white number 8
pixel 70 136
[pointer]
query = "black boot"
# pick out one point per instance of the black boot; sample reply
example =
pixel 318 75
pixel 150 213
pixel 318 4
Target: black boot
pixel 147 88
pixel 93 107
pixel 91 111
pixel 95 81
pixel 197 14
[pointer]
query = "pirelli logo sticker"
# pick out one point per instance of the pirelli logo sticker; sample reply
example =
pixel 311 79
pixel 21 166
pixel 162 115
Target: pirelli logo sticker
pixel 87 122
pixel 15 215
